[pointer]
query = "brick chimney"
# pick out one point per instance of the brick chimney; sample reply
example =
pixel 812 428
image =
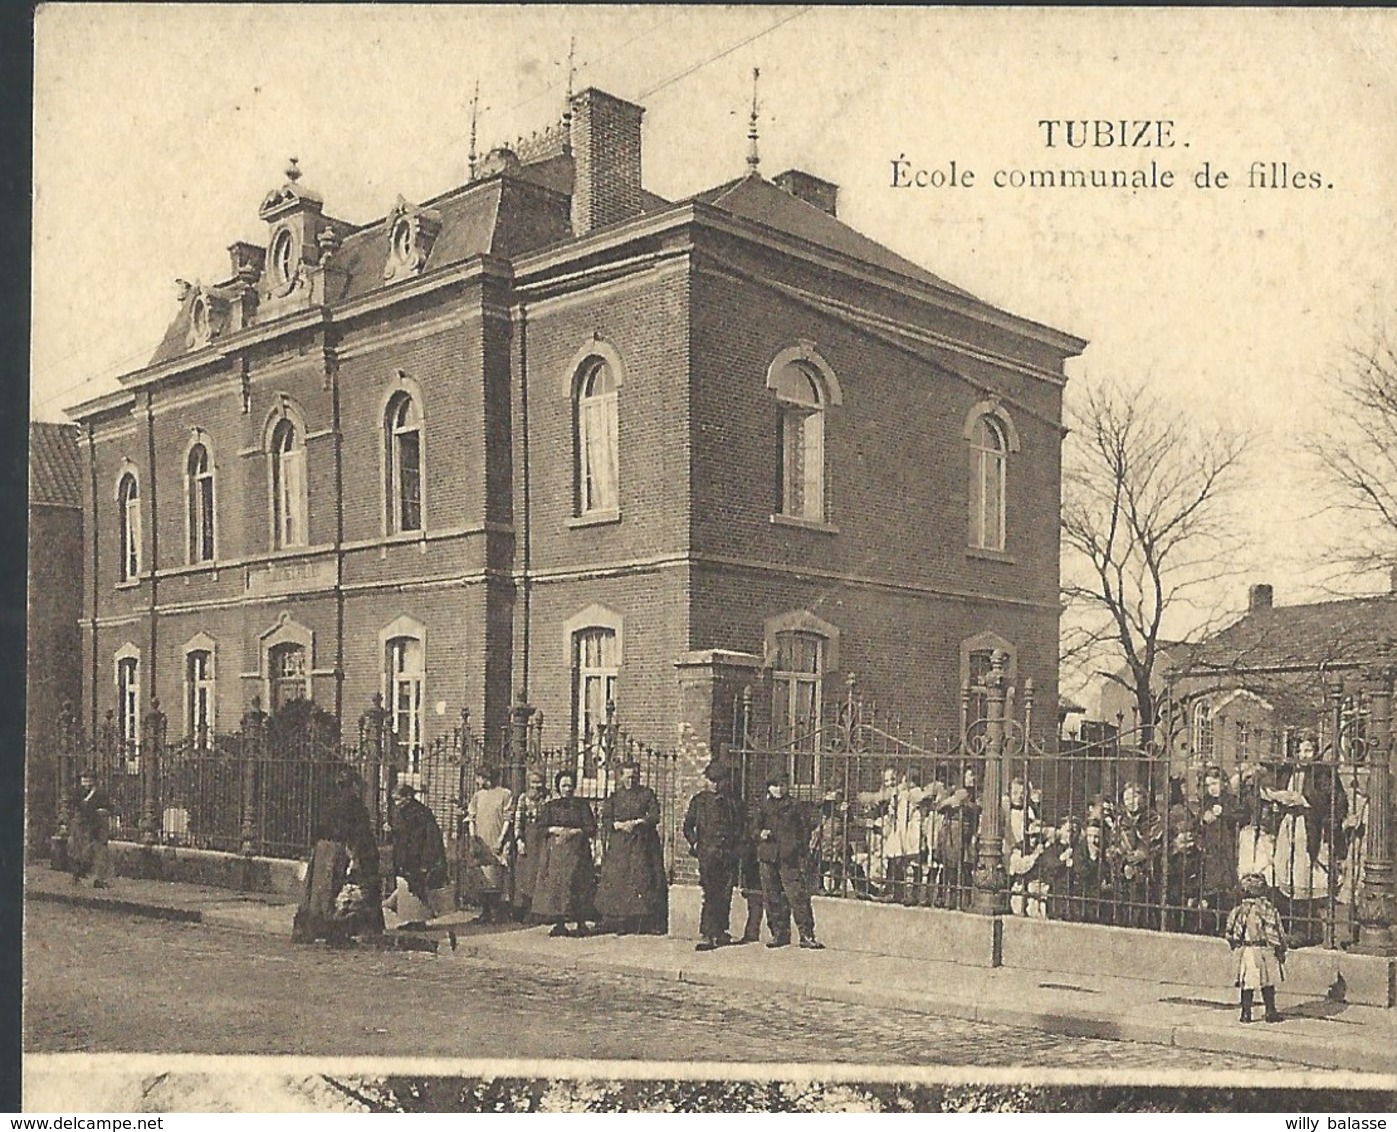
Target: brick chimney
pixel 809 188
pixel 606 160
pixel 1259 597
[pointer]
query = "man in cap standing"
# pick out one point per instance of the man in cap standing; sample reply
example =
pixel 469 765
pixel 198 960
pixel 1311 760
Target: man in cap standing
pixel 713 829
pixel 783 831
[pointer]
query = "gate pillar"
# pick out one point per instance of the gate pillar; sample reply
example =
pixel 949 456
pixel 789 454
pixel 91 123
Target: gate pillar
pixel 1377 903
pixel 991 896
pixel 712 683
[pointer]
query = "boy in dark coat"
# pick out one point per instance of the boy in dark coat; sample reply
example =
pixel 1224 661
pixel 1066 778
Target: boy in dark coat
pixel 713 828
pixel 783 831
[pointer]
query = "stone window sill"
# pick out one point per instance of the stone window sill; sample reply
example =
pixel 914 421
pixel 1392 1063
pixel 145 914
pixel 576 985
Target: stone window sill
pixel 129 584
pixel 594 519
pixel 780 520
pixel 985 554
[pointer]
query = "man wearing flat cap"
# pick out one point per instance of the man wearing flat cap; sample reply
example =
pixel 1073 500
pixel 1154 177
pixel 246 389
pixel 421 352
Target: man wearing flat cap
pixel 713 828
pixel 783 830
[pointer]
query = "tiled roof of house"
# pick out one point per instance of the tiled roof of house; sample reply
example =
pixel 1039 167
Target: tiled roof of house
pixel 1343 631
pixel 55 465
pixel 756 199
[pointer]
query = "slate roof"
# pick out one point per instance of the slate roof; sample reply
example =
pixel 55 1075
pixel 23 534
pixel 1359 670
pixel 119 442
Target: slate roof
pixel 756 199
pixel 528 210
pixel 1344 631
pixel 55 465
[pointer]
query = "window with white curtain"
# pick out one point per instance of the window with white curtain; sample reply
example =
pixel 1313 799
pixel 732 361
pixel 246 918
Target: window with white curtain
pixel 288 474
pixel 801 443
pixel 989 458
pixel 128 495
pixel 597 457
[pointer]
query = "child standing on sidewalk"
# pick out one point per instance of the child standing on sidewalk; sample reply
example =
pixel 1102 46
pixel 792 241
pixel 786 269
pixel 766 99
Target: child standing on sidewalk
pixel 1255 933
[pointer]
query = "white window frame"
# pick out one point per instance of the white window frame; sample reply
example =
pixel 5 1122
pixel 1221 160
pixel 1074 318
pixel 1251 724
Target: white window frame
pixel 126 673
pixel 598 488
pixel 276 679
pixel 405 670
pixel 1204 732
pixel 787 687
pixel 128 495
pixel 201 505
pixel 200 695
pixel 402 418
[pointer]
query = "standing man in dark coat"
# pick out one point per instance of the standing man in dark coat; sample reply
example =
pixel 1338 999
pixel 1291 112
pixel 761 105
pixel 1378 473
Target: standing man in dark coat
pixel 713 828
pixel 631 887
pixel 91 830
pixel 783 831
pixel 419 854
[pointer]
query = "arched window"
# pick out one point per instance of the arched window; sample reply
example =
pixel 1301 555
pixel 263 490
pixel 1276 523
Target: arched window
pixel 595 427
pixel 288 674
pixel 801 442
pixel 288 481
pixel 199 696
pixel 404 662
pixel 403 464
pixel 199 492
pixel 128 703
pixel 128 497
pixel 798 671
pixel 1203 729
pixel 989 458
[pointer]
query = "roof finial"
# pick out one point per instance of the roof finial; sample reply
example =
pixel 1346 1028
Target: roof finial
pixel 753 157
pixel 567 101
pixel 572 67
pixel 475 114
pixel 293 171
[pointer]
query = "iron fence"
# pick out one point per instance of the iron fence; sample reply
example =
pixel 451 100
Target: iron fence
pixel 1092 832
pixel 261 789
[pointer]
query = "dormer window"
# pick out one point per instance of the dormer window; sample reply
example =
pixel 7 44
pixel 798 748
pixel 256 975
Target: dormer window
pixel 402 240
pixel 199 318
pixel 283 256
pixel 411 232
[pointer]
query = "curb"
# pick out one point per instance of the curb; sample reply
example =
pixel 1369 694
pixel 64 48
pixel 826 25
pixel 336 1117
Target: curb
pixel 1304 1050
pixel 117 904
pixel 1300 1050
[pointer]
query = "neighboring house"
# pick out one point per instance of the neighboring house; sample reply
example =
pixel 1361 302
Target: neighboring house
pixel 549 431
pixel 53 672
pixel 1244 694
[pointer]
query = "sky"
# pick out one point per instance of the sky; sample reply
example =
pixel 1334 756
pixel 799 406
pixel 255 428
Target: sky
pixel 157 130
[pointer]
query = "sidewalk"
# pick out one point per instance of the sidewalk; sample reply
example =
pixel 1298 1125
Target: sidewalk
pixel 1319 1033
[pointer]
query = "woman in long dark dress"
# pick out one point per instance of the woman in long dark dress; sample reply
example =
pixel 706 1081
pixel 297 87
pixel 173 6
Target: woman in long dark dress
pixel 346 851
pixel 565 883
pixel 631 892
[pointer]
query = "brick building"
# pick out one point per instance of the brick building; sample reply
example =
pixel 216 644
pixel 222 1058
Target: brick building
pixel 549 431
pixel 52 674
pixel 1246 693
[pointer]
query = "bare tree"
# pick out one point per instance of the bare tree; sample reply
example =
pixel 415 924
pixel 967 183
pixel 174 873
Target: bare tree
pixel 1145 529
pixel 1357 446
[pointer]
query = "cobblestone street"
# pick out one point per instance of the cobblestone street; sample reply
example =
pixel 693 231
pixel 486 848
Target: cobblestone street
pixel 99 981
